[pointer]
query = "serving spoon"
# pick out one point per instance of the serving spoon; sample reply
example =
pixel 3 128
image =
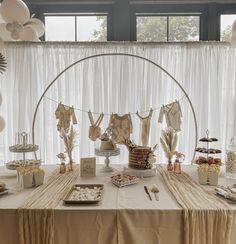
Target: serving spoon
pixel 155 190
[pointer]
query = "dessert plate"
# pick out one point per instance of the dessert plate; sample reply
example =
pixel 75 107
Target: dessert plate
pixel 84 194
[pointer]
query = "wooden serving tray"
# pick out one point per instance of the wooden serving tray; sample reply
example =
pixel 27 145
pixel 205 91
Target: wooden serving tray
pixel 83 198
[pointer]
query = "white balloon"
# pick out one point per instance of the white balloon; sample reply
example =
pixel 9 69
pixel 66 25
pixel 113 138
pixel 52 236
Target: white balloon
pixel 1 19
pixel 233 40
pixel 5 35
pixel 2 124
pixel 28 34
pixel 234 28
pixel 37 25
pixel 0 99
pixel 15 10
pixel 15 29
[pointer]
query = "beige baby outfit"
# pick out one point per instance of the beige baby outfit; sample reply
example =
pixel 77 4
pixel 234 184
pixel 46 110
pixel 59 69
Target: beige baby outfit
pixel 65 116
pixel 145 127
pixel 172 114
pixel 121 128
pixel 94 129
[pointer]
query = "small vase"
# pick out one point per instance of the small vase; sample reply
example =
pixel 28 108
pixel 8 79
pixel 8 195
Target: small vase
pixel 177 167
pixel 62 168
pixel 170 166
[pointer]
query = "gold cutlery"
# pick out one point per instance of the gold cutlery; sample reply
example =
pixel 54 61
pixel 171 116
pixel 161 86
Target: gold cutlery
pixel 155 190
pixel 147 192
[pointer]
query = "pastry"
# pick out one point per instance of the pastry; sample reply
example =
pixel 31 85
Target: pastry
pixel 201 160
pixel 214 139
pixel 121 180
pixel 204 139
pixel 210 160
pixel 2 187
pixel 217 161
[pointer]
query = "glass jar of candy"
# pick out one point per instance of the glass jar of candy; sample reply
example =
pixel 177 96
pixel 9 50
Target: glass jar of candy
pixel 230 164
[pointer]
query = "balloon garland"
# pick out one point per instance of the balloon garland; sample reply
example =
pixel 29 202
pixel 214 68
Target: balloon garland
pixel 233 35
pixel 16 24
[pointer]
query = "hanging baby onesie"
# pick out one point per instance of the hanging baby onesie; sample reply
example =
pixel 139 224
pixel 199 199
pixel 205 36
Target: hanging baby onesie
pixel 65 116
pixel 94 129
pixel 121 128
pixel 172 114
pixel 145 127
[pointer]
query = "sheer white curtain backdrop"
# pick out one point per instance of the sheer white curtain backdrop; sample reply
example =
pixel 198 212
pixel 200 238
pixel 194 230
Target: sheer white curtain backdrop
pixel 117 84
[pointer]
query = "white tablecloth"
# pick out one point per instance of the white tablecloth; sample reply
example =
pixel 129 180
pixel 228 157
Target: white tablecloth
pixel 124 216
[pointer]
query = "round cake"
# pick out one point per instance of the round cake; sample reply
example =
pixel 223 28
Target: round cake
pixel 138 157
pixel 107 145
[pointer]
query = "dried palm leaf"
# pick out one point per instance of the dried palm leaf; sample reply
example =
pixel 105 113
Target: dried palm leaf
pixel 174 143
pixel 169 142
pixel 3 63
pixel 165 148
pixel 69 139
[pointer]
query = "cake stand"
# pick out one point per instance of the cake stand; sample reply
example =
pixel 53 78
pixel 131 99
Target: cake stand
pixel 107 154
pixel 22 147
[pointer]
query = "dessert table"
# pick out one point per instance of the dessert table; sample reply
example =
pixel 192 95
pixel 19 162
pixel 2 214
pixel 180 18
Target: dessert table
pixel 125 215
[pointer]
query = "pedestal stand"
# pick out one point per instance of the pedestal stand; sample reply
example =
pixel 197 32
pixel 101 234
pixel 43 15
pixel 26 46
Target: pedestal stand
pixel 107 154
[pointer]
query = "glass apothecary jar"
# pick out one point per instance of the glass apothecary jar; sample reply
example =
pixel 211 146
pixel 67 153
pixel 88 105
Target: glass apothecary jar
pixel 230 162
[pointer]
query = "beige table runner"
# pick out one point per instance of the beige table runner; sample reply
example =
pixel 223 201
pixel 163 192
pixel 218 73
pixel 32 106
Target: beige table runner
pixel 36 216
pixel 207 219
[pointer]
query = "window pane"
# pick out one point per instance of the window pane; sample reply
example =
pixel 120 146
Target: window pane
pixel 226 21
pixel 59 28
pixel 184 28
pixel 152 29
pixel 91 28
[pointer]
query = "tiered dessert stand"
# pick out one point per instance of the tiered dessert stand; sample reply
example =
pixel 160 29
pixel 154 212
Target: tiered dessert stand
pixel 210 174
pixel 22 147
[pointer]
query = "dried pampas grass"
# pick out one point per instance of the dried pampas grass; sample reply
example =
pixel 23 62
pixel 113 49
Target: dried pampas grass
pixel 3 63
pixel 169 141
pixel 69 139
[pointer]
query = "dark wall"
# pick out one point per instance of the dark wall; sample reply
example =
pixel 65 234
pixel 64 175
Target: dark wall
pixel 122 13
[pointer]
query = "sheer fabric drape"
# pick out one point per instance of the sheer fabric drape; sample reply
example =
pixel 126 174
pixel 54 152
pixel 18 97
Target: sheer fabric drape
pixel 117 84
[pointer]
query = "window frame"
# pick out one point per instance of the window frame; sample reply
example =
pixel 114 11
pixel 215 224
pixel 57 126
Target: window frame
pixel 171 10
pixel 42 10
pixel 168 21
pixel 75 15
pixel 221 10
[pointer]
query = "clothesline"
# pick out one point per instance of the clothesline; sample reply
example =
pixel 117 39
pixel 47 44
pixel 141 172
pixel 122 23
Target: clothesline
pixel 107 114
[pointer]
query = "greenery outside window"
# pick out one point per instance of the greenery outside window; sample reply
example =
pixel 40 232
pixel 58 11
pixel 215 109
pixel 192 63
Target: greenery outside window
pixel 171 28
pixel 68 27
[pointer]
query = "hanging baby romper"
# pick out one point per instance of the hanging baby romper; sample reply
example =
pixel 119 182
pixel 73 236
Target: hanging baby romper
pixel 172 114
pixel 65 116
pixel 94 129
pixel 121 128
pixel 145 127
